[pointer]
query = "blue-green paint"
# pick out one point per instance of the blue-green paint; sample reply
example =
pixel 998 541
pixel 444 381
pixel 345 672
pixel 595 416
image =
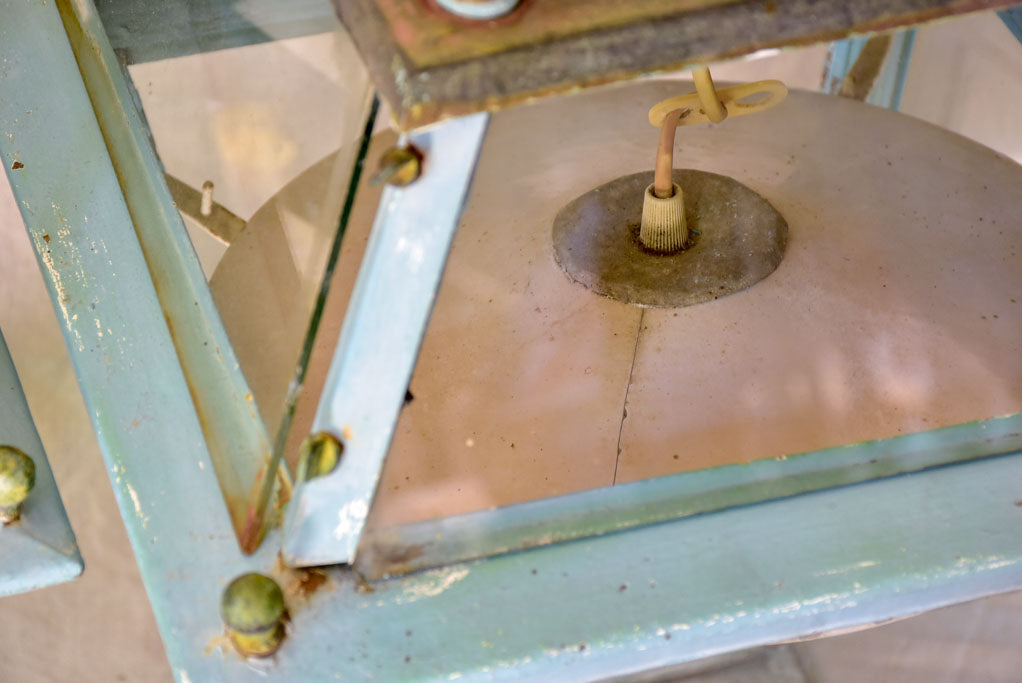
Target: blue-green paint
pixel 39 549
pixel 235 435
pixel 112 322
pixel 596 607
pixel 379 342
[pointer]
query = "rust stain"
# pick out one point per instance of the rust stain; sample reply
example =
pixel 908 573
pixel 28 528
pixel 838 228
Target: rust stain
pixel 257 521
pixel 16 165
pixel 251 532
pixel 299 584
pixel 46 238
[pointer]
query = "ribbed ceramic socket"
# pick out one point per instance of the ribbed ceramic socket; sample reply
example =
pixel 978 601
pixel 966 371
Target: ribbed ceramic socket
pixel 663 227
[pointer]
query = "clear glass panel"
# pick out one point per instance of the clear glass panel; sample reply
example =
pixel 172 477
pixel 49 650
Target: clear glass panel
pixel 274 127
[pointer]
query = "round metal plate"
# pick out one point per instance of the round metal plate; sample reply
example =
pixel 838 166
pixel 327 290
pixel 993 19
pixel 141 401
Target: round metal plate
pixel 736 239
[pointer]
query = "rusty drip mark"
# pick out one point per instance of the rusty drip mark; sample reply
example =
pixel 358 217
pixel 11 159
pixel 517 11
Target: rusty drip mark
pixel 300 584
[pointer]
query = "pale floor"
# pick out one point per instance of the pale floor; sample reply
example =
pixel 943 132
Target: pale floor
pixel 100 628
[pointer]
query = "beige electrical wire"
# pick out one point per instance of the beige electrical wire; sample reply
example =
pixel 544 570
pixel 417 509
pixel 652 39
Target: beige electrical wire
pixel 663 227
pixel 715 111
pixel 663 185
pixel 706 104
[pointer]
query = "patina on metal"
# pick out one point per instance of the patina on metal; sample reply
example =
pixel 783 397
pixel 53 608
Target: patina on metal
pixel 254 612
pixel 235 436
pixel 17 477
pixel 736 238
pixel 429 64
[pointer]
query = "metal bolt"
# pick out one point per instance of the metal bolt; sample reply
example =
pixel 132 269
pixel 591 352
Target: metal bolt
pixel 319 455
pixel 399 166
pixel 479 9
pixel 206 200
pixel 17 477
pixel 253 611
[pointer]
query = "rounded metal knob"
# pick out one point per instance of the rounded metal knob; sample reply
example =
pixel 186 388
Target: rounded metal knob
pixel 254 612
pixel 17 477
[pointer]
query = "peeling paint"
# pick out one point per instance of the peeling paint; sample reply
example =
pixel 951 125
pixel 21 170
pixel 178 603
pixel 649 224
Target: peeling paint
pixel 431 584
pixel 138 506
pixel 844 570
pixel 351 518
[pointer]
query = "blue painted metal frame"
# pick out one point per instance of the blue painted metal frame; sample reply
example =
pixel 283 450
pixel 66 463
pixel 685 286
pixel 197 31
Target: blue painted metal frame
pixel 113 325
pixel 380 340
pixel 234 432
pixel 614 604
pixel 39 549
pixel 889 86
pixel 1012 18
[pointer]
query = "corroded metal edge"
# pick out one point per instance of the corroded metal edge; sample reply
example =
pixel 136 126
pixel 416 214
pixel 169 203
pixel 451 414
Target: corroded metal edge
pixel 421 95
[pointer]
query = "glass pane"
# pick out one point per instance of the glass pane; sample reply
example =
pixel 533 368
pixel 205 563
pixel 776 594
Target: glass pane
pixel 274 127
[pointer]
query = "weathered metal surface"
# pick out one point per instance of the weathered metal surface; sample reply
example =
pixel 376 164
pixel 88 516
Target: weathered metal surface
pixel 117 337
pixel 623 602
pixel 234 431
pixel 39 548
pixel 652 596
pixel 141 31
pixel 429 65
pixel 736 240
pixel 398 550
pixel 379 343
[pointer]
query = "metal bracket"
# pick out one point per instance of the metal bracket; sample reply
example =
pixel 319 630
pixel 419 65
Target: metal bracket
pixel 380 340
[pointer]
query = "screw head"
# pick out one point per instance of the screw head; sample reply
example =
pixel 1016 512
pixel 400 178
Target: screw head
pixel 319 455
pixel 17 477
pixel 253 610
pixel 399 166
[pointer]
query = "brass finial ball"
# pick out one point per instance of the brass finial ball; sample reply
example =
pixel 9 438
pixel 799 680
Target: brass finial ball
pixel 17 477
pixel 253 611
